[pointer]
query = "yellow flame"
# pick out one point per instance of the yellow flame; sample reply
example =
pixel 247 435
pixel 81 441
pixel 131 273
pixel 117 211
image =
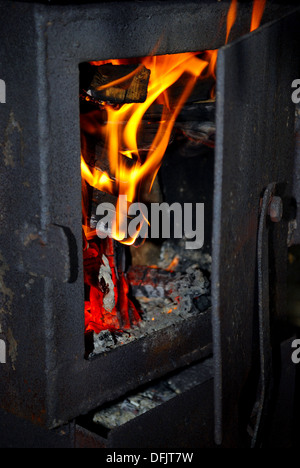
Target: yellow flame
pixel 96 178
pixel 123 124
pixel 122 129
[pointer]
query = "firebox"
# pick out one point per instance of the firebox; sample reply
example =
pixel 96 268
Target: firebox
pixel 128 115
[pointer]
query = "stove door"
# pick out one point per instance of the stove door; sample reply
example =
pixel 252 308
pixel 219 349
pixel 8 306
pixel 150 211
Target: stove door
pixel 255 147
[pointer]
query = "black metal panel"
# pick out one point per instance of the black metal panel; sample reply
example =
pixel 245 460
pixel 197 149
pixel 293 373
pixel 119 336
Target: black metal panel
pixel 18 433
pixel 295 234
pixel 24 208
pixel 119 29
pixel 184 421
pixel 255 124
pixel 89 384
pixel 42 300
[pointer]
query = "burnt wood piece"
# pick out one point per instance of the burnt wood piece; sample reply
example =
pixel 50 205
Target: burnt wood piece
pixel 199 133
pixel 149 282
pixel 108 306
pixel 202 90
pixel 120 83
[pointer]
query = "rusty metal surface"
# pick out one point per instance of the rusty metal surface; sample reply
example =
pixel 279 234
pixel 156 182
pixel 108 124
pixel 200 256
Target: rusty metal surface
pixel 87 439
pixel 184 422
pixel 18 433
pixel 254 147
pixel 42 313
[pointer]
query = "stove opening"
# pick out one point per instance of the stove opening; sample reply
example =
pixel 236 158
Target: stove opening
pixel 147 141
pixel 147 163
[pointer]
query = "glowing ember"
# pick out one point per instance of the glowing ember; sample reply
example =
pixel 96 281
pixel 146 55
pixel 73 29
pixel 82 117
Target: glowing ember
pixel 108 307
pixel 173 264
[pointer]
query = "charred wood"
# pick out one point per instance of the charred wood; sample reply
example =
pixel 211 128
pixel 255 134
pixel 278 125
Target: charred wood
pixel 120 84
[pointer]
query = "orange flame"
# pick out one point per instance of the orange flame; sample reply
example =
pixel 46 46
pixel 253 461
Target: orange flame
pixel 96 178
pixel 123 125
pixel 257 13
pixel 212 55
pixel 231 17
pixel 173 264
pixel 129 168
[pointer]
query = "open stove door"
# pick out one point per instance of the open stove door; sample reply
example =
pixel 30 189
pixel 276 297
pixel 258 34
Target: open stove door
pixel 254 161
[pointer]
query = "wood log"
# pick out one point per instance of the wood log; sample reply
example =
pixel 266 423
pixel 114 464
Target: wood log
pixel 120 84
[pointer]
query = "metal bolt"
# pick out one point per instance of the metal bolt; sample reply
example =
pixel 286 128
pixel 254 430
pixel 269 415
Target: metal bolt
pixel 276 209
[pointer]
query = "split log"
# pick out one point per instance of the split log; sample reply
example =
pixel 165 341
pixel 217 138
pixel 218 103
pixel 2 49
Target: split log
pixel 120 84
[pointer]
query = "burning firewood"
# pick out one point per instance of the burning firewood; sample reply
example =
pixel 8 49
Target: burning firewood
pixel 120 84
pixel 108 306
pixel 105 277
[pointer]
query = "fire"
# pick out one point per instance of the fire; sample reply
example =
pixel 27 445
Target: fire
pixel 123 126
pixel 257 13
pixel 231 17
pixel 130 167
pixel 212 55
pixel 108 306
pixel 173 264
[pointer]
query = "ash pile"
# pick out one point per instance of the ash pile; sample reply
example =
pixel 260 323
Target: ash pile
pixel 136 404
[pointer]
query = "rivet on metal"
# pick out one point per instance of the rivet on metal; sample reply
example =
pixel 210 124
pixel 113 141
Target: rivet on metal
pixel 275 209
